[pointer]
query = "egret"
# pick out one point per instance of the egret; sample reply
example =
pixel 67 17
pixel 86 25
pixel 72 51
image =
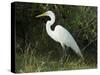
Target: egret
pixel 60 34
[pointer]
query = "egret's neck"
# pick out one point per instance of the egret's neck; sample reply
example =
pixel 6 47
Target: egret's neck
pixel 49 24
pixel 51 21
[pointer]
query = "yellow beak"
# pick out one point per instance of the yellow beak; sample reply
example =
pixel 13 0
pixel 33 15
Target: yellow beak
pixel 41 15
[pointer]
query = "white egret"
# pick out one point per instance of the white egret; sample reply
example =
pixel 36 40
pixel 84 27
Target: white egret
pixel 60 34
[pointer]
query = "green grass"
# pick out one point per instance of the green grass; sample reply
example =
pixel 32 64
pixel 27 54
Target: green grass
pixel 29 62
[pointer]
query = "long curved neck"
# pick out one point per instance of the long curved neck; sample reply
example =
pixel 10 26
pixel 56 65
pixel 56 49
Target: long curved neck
pixel 49 24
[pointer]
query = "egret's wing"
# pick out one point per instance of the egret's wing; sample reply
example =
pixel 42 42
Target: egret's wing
pixel 64 37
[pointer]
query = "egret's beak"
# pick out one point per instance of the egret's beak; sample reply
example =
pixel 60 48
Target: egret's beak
pixel 44 14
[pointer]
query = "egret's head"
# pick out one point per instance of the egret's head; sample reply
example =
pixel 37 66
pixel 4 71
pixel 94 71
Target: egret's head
pixel 48 13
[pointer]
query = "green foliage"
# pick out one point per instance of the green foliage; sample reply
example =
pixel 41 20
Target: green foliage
pixel 29 62
pixel 36 51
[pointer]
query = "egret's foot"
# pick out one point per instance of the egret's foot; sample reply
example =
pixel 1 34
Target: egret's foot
pixel 61 64
pixel 81 61
pixel 63 60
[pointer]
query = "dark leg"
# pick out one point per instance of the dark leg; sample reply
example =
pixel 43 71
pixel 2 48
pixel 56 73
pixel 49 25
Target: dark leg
pixel 67 56
pixel 63 56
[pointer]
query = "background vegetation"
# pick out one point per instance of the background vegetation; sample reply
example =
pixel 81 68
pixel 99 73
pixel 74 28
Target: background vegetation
pixel 36 51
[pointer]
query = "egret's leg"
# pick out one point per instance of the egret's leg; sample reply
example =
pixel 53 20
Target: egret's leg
pixel 63 54
pixel 67 56
pixel 63 58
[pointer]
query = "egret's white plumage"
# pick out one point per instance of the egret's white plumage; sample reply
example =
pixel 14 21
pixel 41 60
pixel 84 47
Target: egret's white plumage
pixel 60 34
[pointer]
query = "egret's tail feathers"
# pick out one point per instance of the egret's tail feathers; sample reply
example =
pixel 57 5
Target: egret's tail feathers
pixel 80 54
pixel 77 50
